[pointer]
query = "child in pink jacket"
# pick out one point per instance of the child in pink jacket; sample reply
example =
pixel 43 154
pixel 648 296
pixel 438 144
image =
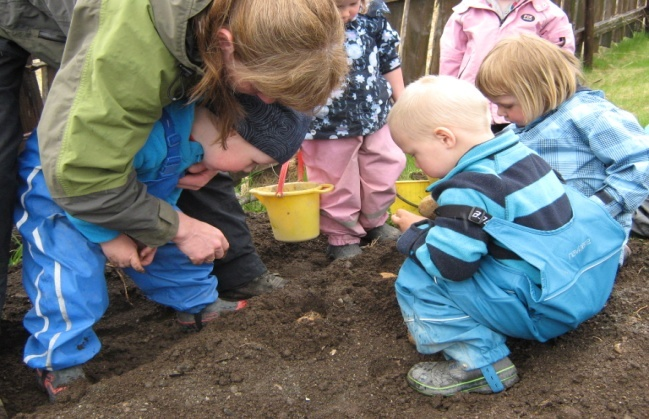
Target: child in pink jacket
pixel 477 25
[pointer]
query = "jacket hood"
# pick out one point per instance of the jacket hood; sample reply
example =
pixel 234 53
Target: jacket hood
pixel 171 18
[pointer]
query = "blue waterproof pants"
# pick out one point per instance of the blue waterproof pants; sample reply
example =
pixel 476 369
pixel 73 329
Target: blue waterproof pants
pixel 63 274
pixel 469 320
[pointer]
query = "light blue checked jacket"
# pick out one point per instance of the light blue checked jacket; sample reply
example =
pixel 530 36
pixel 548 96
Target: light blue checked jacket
pixel 598 148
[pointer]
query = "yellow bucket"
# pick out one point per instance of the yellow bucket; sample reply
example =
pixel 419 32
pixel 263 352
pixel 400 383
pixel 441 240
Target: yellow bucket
pixel 295 216
pixel 409 195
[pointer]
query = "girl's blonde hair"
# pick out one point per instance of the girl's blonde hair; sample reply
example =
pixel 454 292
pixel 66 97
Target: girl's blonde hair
pixel 291 50
pixel 540 75
pixel 438 101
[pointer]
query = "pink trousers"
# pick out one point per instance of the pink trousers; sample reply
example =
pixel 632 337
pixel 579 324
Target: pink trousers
pixel 363 171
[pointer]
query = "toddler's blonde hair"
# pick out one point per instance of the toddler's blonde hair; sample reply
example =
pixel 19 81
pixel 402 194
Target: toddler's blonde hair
pixel 291 50
pixel 438 101
pixel 540 75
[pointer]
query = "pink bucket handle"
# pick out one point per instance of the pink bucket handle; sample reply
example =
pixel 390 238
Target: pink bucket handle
pixel 282 180
pixel 284 171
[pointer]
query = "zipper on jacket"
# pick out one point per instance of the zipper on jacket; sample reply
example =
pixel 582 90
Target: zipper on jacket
pixel 177 88
pixel 502 20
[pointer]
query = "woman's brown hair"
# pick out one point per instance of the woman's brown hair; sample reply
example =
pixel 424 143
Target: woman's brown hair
pixel 290 50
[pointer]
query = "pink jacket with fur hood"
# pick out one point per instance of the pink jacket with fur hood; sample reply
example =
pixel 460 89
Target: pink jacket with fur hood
pixel 475 27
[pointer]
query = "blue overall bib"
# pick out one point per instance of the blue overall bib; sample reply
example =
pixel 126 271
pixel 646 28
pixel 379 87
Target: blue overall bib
pixel 469 320
pixel 63 272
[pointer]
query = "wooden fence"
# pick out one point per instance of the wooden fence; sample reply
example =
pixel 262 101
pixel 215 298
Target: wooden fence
pixel 596 23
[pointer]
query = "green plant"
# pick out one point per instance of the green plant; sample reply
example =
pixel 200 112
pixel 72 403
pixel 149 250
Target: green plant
pixel 16 252
pixel 254 206
pixel 248 202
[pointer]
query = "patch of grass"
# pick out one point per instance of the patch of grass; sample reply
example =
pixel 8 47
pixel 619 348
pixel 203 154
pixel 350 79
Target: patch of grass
pixel 622 72
pixel 410 169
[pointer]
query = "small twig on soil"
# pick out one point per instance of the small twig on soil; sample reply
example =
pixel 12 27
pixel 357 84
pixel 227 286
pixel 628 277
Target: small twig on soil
pixel 372 243
pixel 258 346
pixel 598 338
pixel 121 275
pixel 637 312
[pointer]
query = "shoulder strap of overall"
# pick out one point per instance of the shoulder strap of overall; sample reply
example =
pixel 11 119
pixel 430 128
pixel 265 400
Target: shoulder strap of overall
pixel 477 216
pixel 172 162
pixel 464 212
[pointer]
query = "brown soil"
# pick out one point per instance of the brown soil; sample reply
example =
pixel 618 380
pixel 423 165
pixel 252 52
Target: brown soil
pixel 332 345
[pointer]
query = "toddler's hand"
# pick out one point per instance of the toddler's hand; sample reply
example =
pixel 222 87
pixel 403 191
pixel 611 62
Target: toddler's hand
pixel 123 252
pixel 404 219
pixel 146 254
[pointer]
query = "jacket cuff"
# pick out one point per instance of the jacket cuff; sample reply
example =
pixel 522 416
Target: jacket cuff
pixel 166 230
pixel 414 237
pixel 93 232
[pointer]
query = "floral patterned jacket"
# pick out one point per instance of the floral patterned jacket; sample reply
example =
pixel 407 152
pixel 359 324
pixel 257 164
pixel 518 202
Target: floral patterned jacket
pixel 361 105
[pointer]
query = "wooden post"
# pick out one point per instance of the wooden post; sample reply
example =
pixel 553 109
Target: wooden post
pixel 31 102
pixel 48 74
pixel 436 29
pixel 589 33
pixel 403 29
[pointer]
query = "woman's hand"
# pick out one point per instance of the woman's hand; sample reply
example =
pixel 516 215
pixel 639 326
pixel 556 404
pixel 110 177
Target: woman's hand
pixel 404 219
pixel 201 242
pixel 196 177
pixel 124 252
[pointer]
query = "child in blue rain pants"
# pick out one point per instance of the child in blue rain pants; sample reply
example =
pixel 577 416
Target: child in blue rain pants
pixel 64 258
pixel 512 251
